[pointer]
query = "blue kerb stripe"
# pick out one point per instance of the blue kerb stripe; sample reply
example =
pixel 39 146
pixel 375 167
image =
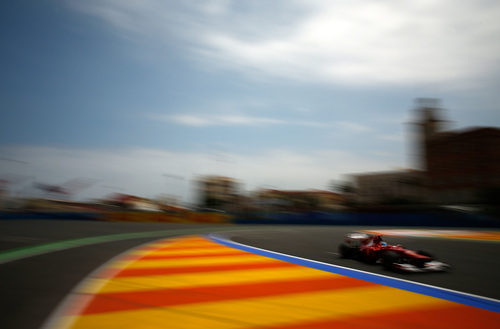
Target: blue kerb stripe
pixel 453 296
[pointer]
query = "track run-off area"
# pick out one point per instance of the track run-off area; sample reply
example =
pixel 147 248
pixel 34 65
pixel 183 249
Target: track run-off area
pixel 129 275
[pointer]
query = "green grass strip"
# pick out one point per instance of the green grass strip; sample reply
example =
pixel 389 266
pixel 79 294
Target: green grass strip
pixel 24 252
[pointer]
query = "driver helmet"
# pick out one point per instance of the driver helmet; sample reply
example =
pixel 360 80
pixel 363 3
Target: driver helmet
pixel 383 244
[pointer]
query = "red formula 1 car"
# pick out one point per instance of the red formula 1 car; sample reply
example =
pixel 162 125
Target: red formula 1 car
pixel 373 249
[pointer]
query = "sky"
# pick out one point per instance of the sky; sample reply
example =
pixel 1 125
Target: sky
pixel 143 97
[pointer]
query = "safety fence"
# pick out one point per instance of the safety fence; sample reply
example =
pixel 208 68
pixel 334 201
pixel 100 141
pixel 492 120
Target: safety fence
pixel 432 219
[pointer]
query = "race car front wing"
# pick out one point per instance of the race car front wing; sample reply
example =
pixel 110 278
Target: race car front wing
pixel 432 266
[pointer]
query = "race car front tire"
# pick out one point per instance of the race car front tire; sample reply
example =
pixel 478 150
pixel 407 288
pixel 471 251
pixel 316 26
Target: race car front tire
pixel 345 251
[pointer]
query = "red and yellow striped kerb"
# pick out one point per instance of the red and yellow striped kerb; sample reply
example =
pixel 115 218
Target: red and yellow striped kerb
pixel 192 282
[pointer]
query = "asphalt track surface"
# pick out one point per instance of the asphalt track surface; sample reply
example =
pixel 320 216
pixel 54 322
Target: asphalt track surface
pixel 475 264
pixel 32 287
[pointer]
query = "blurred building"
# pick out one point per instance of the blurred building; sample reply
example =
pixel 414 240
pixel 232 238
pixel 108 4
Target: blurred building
pixel 462 166
pixel 306 200
pixel 390 187
pixel 456 166
pixel 218 192
pixel 132 202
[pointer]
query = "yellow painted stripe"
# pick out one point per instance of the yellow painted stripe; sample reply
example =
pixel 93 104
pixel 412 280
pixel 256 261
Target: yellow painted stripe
pixel 162 263
pixel 268 311
pixel 205 279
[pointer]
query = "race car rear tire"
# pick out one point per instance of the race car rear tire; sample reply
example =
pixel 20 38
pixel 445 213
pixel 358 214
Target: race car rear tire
pixel 389 258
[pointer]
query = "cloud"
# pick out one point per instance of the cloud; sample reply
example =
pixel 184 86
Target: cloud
pixel 363 42
pixel 353 127
pixel 190 120
pixel 206 120
pixel 148 172
pixel 355 43
pixel 392 138
pixel 198 120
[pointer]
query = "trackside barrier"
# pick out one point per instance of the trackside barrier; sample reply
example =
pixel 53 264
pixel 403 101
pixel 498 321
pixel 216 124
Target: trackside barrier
pixel 124 216
pixel 63 215
pixel 187 217
pixel 430 219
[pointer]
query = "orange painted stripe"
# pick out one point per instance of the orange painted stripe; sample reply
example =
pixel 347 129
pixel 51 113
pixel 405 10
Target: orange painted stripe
pixel 225 252
pixel 123 301
pixel 194 269
pixel 181 247
pixel 441 317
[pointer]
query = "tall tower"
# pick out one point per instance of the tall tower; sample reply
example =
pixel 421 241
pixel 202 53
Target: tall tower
pixel 429 125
